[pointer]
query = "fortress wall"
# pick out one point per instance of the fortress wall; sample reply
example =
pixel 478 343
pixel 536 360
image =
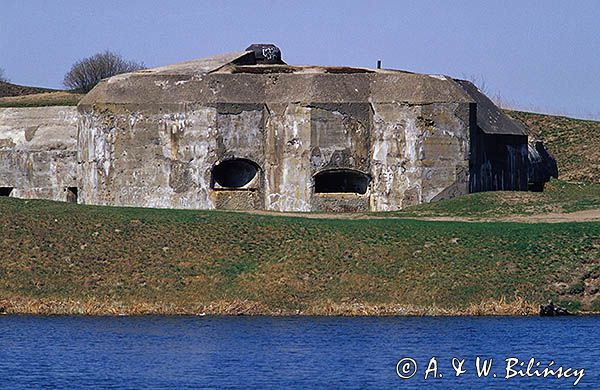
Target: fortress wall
pixel 303 140
pixel 38 149
pixel 288 171
pixel 149 159
pixel 445 140
pixel 240 135
pixel 419 153
pixel 164 156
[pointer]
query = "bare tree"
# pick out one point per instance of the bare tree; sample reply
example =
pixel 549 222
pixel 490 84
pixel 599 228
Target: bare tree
pixel 88 72
pixel 2 76
pixel 478 81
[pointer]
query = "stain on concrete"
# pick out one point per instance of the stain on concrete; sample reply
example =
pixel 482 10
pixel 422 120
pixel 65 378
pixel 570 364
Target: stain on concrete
pixel 38 151
pixel 30 132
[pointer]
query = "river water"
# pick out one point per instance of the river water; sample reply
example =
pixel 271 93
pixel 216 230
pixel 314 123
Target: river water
pixel 296 352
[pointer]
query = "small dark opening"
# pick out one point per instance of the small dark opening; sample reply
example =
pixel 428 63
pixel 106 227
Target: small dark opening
pixel 234 173
pixel 341 181
pixel 72 193
pixel 5 191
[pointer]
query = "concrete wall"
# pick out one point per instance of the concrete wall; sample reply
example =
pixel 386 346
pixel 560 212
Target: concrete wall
pixel 38 152
pixel 419 154
pixel 163 156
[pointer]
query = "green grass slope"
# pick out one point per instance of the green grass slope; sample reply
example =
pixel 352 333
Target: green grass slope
pixel 574 143
pixel 558 197
pixel 65 258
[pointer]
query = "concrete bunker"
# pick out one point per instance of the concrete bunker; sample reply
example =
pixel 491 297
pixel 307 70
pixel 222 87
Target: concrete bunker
pixel 341 181
pixel 247 131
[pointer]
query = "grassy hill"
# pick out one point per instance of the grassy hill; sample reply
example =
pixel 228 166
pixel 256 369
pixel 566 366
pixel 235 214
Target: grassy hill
pixel 574 143
pixel 59 98
pixel 65 258
pixel 8 89
pixel 12 95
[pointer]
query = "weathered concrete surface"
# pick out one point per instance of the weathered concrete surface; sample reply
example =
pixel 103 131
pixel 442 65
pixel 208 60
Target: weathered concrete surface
pixel 38 152
pixel 491 119
pixel 419 153
pixel 152 138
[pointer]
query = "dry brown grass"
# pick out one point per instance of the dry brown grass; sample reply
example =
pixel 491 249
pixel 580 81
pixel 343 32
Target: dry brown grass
pixel 94 306
pixel 501 307
pixel 10 89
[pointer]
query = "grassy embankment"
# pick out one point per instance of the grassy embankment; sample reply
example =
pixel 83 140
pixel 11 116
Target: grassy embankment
pixel 558 197
pixel 42 100
pixel 574 143
pixel 12 95
pixel 65 258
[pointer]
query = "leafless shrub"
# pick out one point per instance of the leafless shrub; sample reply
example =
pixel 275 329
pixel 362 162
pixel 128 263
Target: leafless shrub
pixel 479 82
pixel 496 97
pixel 88 72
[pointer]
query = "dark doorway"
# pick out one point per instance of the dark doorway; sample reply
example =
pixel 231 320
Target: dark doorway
pixel 5 191
pixel 341 180
pixel 72 193
pixel 234 173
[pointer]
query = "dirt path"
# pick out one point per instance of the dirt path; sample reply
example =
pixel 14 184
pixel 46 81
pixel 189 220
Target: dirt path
pixel 578 216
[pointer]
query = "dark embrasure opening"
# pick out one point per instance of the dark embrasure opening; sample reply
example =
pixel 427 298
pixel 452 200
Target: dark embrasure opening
pixel 5 191
pixel 234 173
pixel 72 194
pixel 342 180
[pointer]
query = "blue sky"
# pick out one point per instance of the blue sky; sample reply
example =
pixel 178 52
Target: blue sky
pixel 535 55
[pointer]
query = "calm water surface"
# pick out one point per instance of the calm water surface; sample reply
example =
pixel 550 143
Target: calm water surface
pixel 291 352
